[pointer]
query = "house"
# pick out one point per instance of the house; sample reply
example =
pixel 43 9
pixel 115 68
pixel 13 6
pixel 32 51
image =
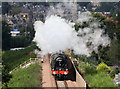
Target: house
pixel 95 4
pixel 15 32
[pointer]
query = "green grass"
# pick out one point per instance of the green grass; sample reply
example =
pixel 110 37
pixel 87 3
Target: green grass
pixel 13 58
pixel 27 77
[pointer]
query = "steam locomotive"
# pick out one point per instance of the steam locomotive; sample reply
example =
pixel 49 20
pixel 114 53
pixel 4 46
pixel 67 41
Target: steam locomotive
pixel 60 65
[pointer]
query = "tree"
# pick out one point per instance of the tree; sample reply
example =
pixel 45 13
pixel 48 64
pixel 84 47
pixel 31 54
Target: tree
pixel 6 36
pixel 31 33
pixel 114 52
pixel 77 27
pixel 24 39
pixel 5 76
pixel 5 7
pixel 105 7
pixel 89 7
pixel 102 55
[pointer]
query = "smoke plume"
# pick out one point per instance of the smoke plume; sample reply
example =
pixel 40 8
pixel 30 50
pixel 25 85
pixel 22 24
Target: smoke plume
pixel 57 33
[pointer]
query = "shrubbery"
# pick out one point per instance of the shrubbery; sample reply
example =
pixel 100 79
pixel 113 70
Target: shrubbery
pixel 86 68
pixel 13 58
pixel 5 76
pixel 99 80
pixel 113 72
pixel 102 67
pixel 96 77
pixel 90 70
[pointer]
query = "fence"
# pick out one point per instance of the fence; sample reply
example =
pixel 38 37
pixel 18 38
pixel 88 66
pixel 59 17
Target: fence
pixel 23 65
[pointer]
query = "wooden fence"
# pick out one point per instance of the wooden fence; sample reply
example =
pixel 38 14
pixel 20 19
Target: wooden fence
pixel 31 61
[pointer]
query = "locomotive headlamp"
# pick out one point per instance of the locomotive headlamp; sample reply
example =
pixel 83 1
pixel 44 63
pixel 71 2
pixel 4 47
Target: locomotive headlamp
pixel 65 73
pixel 66 69
pixel 54 72
pixel 53 69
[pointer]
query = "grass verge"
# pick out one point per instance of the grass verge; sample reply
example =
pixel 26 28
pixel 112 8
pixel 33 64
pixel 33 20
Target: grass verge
pixel 27 77
pixel 14 58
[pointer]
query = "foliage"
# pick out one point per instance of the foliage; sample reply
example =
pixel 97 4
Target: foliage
pixel 6 7
pixel 87 60
pixel 103 55
pixel 89 7
pixel 110 54
pixel 116 70
pixel 105 7
pixel 113 72
pixel 5 36
pixel 24 39
pixel 102 67
pixel 114 52
pixel 13 58
pixel 83 25
pixel 27 77
pixel 99 80
pixel 90 70
pixel 19 41
pixel 76 27
pixel 86 68
pixel 110 26
pixel 81 67
pixel 94 78
pixel 5 75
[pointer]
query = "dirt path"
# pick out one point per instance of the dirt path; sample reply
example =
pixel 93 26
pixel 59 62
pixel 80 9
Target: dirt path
pixel 47 79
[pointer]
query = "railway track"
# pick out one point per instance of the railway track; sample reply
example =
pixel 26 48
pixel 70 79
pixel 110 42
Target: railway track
pixel 61 84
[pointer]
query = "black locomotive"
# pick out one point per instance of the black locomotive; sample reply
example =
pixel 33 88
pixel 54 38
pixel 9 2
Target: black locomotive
pixel 60 66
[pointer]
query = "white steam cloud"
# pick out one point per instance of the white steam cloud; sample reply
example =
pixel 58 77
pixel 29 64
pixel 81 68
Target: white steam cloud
pixel 58 33
pixel 53 35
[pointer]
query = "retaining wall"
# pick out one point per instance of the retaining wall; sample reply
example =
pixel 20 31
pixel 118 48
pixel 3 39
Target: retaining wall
pixel 79 79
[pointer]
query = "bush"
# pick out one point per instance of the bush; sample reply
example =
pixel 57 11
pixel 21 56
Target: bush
pixel 86 68
pixel 116 70
pixel 90 70
pixel 99 80
pixel 113 72
pixel 102 67
pixel 5 76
